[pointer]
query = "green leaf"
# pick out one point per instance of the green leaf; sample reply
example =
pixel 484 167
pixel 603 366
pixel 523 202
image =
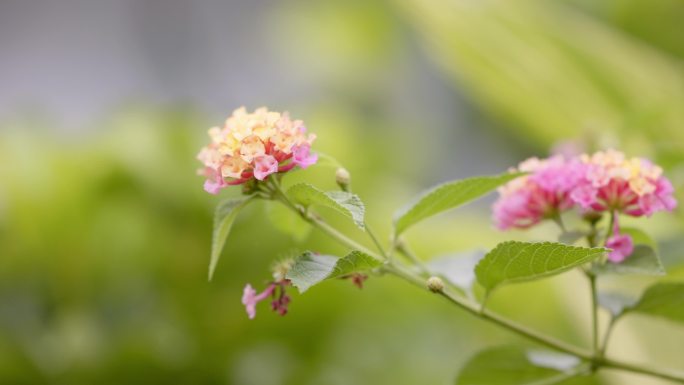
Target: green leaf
pixel 514 261
pixel 310 269
pixel 615 303
pixel 639 237
pixel 643 260
pixel 665 300
pixel 516 366
pixel 345 203
pixel 447 196
pixel 224 216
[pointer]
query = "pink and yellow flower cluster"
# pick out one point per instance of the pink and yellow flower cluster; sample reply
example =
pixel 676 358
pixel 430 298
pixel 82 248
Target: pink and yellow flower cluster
pixel 606 181
pixel 254 146
pixel 543 193
pixel 612 182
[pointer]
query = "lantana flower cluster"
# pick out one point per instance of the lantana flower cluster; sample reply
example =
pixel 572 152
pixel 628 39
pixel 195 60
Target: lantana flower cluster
pixel 604 182
pixel 253 146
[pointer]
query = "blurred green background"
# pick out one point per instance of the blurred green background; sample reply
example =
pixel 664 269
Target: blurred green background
pixel 105 229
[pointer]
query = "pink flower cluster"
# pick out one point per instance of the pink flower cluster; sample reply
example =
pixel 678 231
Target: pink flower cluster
pixel 605 181
pixel 254 145
pixel 611 182
pixel 544 192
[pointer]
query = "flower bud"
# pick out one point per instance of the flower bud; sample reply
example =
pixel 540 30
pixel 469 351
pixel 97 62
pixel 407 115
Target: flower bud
pixel 281 268
pixel 343 178
pixel 435 284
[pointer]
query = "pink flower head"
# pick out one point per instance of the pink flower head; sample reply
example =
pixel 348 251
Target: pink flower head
pixel 279 302
pixel 612 182
pixel 543 193
pixel 253 146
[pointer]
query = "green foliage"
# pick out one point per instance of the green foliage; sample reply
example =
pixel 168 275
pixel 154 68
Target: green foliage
pixel 640 237
pixel 447 196
pixel 615 303
pixel 551 72
pixel 310 269
pixel 643 260
pixel 516 366
pixel 224 216
pixel 665 300
pixel 345 203
pixel 515 261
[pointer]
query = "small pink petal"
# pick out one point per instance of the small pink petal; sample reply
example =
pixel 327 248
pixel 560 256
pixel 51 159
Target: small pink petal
pixel 622 246
pixel 264 166
pixel 214 182
pixel 302 156
pixel 249 300
pixel 584 195
pixel 212 187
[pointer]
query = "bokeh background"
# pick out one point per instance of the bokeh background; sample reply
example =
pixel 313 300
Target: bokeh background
pixel 105 229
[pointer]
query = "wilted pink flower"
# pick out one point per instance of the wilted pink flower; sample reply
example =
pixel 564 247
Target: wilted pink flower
pixel 279 304
pixel 611 182
pixel 250 298
pixel 543 193
pixel 275 290
pixel 254 145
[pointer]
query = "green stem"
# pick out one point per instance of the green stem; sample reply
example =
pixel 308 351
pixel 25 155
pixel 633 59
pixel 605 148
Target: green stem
pixel 402 248
pixel 485 314
pixel 377 243
pixel 606 338
pixel 320 223
pixel 594 313
pixel 333 233
pixel 609 230
pixel 660 373
pixel 559 221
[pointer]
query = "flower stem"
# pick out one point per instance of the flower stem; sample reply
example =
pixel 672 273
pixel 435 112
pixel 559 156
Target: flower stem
pixel 594 313
pixel 343 239
pixel 606 338
pixel 321 224
pixel 377 243
pixel 475 310
pixel 609 229
pixel 660 373
pixel 596 360
pixel 402 248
